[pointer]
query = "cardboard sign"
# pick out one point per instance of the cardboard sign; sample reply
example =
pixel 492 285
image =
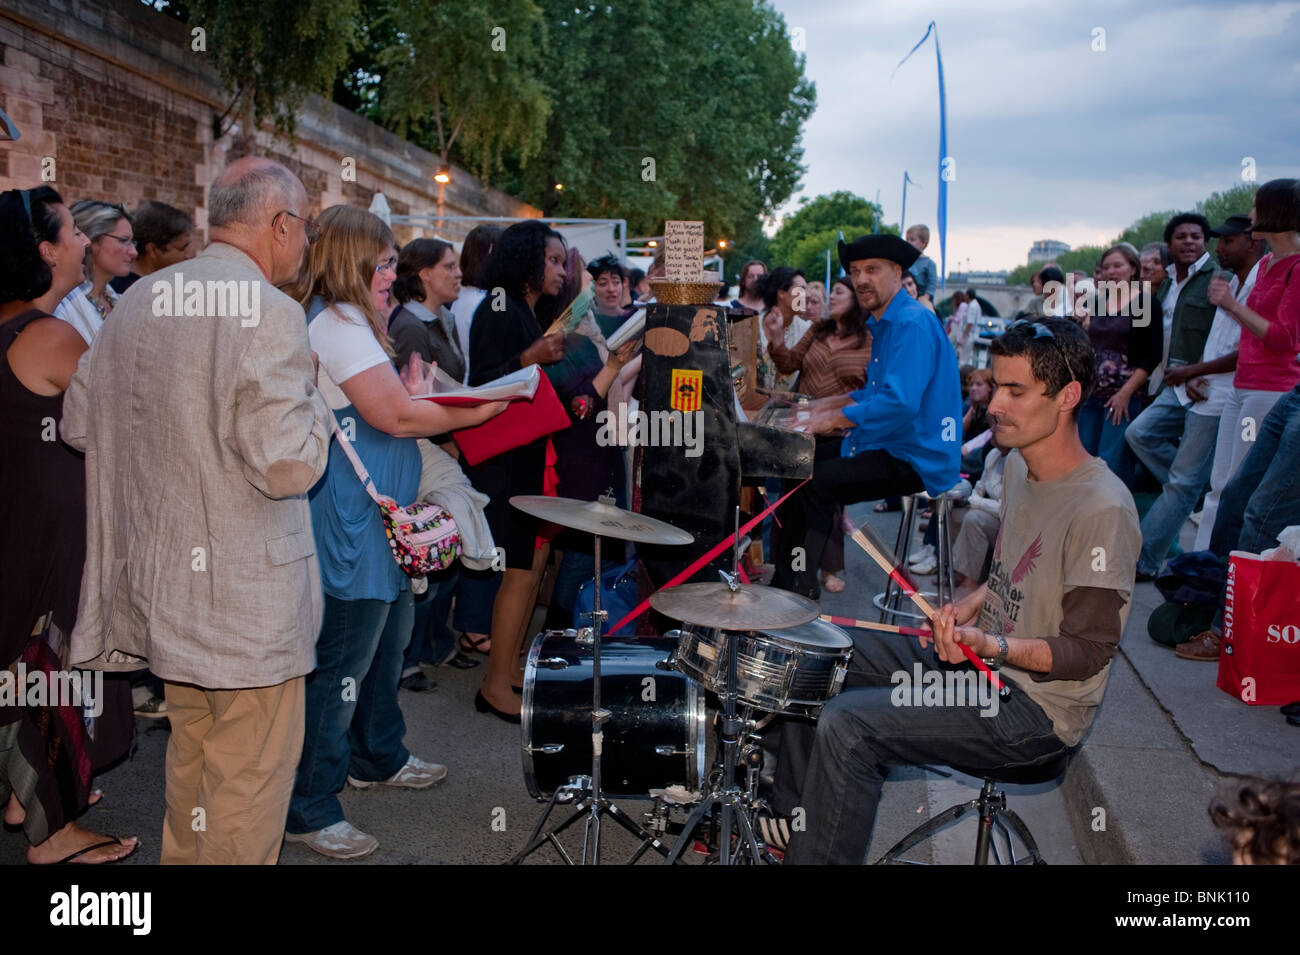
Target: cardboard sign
pixel 683 250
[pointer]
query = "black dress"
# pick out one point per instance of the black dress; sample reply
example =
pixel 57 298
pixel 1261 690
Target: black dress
pixel 496 340
pixel 42 551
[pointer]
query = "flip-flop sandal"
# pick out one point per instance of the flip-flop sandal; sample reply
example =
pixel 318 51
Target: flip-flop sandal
pixel 474 646
pixel 66 860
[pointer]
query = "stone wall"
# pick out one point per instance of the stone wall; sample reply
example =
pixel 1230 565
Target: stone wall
pixel 112 103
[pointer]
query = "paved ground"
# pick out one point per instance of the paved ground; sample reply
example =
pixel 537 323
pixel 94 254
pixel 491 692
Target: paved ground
pixel 1136 793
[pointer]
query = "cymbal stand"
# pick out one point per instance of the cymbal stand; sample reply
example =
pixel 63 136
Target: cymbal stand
pixel 592 804
pixel 731 800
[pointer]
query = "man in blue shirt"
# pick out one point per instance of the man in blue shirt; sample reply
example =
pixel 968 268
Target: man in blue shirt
pixel 903 427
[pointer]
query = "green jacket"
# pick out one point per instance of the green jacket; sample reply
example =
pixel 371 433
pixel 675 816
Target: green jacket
pixel 1193 315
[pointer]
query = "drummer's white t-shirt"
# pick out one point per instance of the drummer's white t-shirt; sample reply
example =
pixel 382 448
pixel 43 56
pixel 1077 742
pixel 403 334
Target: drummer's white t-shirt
pixel 346 345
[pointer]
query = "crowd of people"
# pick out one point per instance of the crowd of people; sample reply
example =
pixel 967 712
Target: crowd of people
pixel 190 507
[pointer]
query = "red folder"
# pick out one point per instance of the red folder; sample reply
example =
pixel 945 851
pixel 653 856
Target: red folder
pixel 523 422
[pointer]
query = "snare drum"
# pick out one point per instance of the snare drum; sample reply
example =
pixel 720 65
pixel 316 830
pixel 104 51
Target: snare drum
pixel 791 671
pixel 655 737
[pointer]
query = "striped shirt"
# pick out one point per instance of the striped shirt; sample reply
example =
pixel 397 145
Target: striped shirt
pixel 825 371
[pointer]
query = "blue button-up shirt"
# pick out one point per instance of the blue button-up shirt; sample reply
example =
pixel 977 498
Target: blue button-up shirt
pixel 911 403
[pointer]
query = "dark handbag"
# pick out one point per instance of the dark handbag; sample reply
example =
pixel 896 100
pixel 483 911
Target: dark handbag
pixel 618 597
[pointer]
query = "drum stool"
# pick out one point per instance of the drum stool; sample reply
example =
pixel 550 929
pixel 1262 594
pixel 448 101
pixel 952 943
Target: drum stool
pixel 891 601
pixel 991 804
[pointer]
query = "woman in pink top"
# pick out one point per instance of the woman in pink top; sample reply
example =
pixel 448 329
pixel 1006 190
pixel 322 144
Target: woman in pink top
pixel 1270 323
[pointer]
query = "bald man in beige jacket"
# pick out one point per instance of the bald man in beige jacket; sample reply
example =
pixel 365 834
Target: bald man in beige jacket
pixel 203 432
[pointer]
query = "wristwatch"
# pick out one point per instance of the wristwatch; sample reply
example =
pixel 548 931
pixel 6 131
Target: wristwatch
pixel 1001 656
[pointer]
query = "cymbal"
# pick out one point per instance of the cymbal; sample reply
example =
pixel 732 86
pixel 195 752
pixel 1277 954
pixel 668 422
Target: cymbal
pixel 600 517
pixel 751 607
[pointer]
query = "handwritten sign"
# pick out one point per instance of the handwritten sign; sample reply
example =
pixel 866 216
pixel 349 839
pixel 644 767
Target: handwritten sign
pixel 683 250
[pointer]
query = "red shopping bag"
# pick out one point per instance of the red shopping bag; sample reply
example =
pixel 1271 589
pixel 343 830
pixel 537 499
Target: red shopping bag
pixel 1260 660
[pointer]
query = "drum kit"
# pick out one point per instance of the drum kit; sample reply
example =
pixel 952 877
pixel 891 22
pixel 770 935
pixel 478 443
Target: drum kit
pixel 642 700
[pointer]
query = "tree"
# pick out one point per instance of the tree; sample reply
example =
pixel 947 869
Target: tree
pixel 805 235
pixel 667 109
pixel 1150 228
pixel 461 73
pixel 271 56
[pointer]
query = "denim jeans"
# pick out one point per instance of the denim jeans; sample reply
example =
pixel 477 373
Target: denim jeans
pixel 1242 413
pixel 475 594
pixel 1186 479
pixel 425 644
pixel 1105 439
pixel 1263 497
pixel 861 733
pixel 354 725
pixel 1153 434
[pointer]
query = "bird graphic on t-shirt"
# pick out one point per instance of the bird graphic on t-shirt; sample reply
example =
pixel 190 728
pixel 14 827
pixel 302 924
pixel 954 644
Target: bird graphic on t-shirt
pixel 1025 566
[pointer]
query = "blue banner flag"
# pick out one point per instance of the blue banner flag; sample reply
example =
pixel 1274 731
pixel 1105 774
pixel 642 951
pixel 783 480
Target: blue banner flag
pixel 941 215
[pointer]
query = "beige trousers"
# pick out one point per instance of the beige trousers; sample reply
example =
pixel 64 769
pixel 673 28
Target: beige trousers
pixel 231 764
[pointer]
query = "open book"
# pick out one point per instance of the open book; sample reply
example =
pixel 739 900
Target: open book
pixel 521 384
pixel 634 325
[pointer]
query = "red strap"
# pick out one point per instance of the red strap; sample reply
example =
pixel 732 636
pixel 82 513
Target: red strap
pixel 713 552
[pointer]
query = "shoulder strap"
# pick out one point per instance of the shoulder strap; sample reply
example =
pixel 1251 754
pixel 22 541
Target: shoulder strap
pixel 362 474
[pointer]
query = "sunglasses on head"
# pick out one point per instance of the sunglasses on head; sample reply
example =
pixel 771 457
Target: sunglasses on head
pixel 1042 331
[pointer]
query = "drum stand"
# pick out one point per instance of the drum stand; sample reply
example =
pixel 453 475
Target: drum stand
pixel 592 804
pixel 733 802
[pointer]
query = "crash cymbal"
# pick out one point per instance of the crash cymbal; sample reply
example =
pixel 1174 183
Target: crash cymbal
pixel 600 517
pixel 750 607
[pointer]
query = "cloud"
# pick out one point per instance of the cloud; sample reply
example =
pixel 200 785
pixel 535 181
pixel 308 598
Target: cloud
pixel 1051 138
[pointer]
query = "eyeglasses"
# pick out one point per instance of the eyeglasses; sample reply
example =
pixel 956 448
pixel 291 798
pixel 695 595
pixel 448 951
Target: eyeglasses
pixel 389 263
pixel 310 225
pixel 1042 331
pixel 126 240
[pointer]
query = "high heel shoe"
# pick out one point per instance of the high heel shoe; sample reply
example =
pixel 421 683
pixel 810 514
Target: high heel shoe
pixel 483 706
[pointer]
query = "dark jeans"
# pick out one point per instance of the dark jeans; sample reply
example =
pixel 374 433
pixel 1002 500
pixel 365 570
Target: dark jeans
pixel 861 733
pixel 806 518
pixel 1263 497
pixel 428 645
pixel 353 723
pixel 475 594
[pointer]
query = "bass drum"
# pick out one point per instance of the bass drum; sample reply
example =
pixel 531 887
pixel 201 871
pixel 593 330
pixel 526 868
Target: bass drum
pixel 655 737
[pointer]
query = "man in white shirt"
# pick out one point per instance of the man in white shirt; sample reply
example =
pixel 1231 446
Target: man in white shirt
pixel 1207 385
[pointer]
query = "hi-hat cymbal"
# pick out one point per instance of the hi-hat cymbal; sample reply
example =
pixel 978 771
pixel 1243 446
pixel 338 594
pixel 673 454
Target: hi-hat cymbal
pixel 751 607
pixel 600 517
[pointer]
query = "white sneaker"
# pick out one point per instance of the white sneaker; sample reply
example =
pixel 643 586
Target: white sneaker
pixel 927 566
pixel 339 841
pixel 416 774
pixel 921 556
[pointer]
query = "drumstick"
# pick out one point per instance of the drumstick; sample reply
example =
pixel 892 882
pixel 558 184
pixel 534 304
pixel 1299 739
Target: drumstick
pixel 877 553
pixel 873 625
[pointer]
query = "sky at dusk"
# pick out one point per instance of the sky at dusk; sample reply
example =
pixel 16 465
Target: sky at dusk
pixel 1051 139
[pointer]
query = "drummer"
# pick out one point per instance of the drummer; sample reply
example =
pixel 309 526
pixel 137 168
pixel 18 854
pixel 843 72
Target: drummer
pixel 1050 615
pixel 899 433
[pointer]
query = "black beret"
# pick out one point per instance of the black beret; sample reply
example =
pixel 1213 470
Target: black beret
pixel 883 246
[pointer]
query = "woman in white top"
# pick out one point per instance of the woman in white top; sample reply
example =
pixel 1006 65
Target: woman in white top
pixel 785 294
pixel 354 726
pixel 473 264
pixel 110 255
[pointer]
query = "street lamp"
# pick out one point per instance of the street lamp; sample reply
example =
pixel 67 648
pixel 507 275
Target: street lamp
pixel 442 177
